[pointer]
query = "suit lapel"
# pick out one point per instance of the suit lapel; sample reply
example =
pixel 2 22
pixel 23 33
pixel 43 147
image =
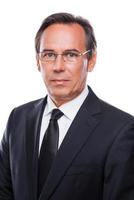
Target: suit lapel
pixel 77 135
pixel 33 124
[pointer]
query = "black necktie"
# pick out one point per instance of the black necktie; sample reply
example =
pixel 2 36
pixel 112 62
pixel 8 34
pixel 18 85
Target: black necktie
pixel 49 148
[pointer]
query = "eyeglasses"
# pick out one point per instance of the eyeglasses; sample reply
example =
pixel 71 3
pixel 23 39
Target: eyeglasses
pixel 68 56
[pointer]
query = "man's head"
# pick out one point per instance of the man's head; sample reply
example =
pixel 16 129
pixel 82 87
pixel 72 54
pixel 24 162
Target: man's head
pixel 66 51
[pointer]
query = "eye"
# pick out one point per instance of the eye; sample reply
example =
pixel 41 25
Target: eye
pixel 48 55
pixel 71 54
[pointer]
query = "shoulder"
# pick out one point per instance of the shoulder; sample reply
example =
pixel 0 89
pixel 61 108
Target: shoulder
pixel 114 114
pixel 28 109
pixel 108 113
pixel 30 105
pixel 20 115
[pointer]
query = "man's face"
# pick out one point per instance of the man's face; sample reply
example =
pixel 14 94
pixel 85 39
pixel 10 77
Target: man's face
pixel 64 80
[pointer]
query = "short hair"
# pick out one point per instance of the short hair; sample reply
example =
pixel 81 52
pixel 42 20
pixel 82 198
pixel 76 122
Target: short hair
pixel 67 18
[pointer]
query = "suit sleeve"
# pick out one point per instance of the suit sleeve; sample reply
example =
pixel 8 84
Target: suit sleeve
pixel 6 188
pixel 119 167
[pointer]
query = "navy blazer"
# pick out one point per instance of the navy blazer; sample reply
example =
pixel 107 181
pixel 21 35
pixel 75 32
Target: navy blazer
pixel 95 160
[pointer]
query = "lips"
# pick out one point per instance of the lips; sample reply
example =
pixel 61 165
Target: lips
pixel 59 81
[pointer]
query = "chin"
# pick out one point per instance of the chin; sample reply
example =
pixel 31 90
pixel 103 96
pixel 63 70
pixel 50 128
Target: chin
pixel 61 94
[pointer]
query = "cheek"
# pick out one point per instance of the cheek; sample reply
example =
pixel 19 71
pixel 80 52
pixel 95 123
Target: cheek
pixel 81 72
pixel 44 72
pixel 44 75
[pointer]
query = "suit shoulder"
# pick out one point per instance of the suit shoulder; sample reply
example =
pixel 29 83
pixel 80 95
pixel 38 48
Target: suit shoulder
pixel 22 113
pixel 29 105
pixel 115 113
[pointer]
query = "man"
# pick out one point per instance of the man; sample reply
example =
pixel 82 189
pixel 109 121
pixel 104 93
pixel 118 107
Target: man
pixel 94 158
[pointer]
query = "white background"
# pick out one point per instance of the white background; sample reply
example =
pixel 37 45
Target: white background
pixel 113 77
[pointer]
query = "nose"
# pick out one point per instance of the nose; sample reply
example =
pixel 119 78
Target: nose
pixel 59 64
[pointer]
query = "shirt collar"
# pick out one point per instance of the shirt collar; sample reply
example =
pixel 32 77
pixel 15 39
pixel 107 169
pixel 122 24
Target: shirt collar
pixel 70 108
pixel 49 106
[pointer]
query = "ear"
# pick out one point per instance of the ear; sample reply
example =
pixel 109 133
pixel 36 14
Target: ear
pixel 92 62
pixel 37 62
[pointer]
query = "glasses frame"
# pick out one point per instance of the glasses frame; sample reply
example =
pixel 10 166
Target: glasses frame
pixel 62 54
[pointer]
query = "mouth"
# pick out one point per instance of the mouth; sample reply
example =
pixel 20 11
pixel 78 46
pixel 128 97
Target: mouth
pixel 60 82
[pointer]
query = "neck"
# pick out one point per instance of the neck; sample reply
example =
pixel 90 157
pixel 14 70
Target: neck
pixel 59 101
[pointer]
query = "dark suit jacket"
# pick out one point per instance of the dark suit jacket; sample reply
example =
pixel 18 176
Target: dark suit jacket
pixel 95 160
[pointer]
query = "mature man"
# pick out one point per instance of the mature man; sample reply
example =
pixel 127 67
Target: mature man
pixel 69 145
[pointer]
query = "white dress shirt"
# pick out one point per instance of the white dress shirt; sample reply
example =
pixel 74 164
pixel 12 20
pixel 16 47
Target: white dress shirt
pixel 69 109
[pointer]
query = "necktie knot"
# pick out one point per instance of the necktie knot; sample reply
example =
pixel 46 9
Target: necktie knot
pixel 56 114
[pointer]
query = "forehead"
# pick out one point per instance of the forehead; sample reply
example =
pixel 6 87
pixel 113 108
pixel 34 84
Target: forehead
pixel 64 36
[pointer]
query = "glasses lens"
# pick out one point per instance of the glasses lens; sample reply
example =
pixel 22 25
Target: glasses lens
pixel 70 56
pixel 47 56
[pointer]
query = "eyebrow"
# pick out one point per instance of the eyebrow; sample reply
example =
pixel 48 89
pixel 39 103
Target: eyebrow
pixel 46 50
pixel 66 50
